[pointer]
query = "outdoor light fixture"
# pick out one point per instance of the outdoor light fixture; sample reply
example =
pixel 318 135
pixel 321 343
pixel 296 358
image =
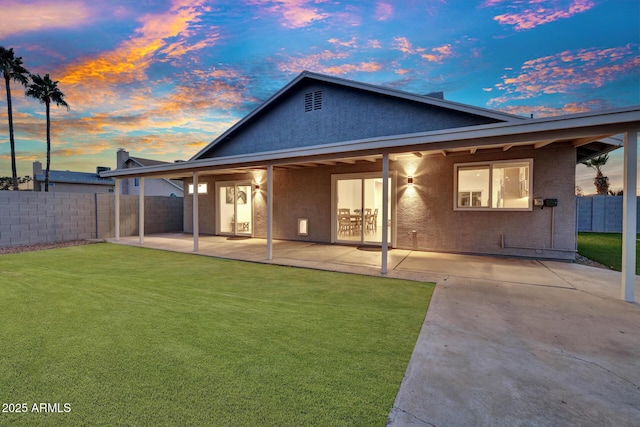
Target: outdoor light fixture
pixel 410 181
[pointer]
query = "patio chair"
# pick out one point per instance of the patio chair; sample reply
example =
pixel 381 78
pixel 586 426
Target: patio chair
pixel 344 221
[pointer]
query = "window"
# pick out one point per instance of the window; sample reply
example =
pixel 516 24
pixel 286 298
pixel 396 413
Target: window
pixel 493 185
pixel 136 182
pixel 202 188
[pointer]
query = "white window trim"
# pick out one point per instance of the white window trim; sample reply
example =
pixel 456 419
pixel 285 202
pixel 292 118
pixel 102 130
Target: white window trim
pixel 491 164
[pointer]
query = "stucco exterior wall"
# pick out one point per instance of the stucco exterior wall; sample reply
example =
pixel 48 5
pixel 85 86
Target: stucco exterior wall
pixel 427 208
pixel 425 217
pixel 346 114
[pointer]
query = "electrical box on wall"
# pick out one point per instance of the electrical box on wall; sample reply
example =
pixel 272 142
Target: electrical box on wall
pixel 551 203
pixel 538 202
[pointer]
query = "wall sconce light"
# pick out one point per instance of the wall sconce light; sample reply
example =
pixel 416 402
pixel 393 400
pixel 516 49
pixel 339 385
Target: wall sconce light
pixel 410 181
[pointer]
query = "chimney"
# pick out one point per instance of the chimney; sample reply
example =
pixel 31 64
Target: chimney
pixel 37 169
pixel 121 158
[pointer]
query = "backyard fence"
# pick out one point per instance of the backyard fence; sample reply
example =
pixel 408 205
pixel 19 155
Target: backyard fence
pixel 601 214
pixel 29 218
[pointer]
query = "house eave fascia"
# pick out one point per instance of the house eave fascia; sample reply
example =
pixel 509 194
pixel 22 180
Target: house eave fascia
pixel 492 114
pixel 610 122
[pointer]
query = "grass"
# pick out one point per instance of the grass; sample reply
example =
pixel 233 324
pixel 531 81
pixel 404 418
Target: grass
pixel 605 248
pixel 131 336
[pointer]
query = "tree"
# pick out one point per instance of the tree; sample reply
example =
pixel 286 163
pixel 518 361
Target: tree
pixel 46 91
pixel 600 181
pixel 12 69
pixel 6 182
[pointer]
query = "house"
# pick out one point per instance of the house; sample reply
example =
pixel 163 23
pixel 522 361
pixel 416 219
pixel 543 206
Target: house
pixel 72 182
pixel 331 160
pixel 153 187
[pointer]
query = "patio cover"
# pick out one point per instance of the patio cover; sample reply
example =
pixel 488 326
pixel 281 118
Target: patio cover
pixel 592 129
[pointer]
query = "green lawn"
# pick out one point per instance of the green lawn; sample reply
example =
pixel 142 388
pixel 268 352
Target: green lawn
pixel 605 248
pixel 131 336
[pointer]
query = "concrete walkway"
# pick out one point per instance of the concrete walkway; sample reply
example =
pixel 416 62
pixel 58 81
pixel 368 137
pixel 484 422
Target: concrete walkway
pixel 505 341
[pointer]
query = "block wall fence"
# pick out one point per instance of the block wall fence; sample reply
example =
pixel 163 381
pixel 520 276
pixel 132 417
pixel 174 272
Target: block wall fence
pixel 29 218
pixel 602 214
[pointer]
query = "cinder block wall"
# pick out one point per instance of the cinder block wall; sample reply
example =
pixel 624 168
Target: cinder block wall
pixel 602 214
pixel 28 218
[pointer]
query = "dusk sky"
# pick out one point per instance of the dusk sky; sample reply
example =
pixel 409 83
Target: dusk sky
pixel 164 78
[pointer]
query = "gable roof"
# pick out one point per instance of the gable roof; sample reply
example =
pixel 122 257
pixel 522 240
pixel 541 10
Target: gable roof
pixel 432 99
pixel 578 129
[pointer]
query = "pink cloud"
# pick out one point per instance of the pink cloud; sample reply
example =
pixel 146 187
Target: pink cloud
pixel 311 62
pixel 294 13
pixel 384 11
pixel 367 67
pixel 337 42
pixel 568 71
pixel 532 13
pixel 543 111
pixel 441 53
pixel 19 16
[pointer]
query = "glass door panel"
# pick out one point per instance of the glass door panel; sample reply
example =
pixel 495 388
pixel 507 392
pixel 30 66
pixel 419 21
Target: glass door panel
pixel 372 214
pixel 235 208
pixel 349 210
pixel 243 209
pixel 227 209
pixel 359 210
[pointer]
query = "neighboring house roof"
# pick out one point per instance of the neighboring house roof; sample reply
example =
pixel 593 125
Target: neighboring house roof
pixel 432 99
pixel 141 162
pixel 146 162
pixel 75 178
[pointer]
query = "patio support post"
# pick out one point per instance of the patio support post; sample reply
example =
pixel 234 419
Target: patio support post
pixel 117 210
pixel 141 213
pixel 269 212
pixel 385 211
pixel 196 214
pixel 629 216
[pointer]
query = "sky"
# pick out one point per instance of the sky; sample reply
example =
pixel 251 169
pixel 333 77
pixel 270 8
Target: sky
pixel 163 78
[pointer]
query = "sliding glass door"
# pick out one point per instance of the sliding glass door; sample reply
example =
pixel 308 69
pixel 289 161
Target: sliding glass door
pixel 235 215
pixel 358 209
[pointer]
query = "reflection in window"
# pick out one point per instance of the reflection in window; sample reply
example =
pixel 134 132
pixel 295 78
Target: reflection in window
pixel 496 185
pixel 473 186
pixel 511 185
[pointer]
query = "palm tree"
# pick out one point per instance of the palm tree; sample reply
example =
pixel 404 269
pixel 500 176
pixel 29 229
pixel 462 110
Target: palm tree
pixel 601 182
pixel 46 91
pixel 12 69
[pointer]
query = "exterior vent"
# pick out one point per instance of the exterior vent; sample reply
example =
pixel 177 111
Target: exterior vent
pixel 313 101
pixel 308 102
pixel 317 100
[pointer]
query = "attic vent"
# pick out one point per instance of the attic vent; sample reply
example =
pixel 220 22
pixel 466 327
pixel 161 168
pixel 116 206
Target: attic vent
pixel 313 101
pixel 308 102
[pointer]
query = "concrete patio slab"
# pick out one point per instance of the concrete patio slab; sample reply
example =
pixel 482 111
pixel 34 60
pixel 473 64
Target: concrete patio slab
pixel 481 267
pixel 502 354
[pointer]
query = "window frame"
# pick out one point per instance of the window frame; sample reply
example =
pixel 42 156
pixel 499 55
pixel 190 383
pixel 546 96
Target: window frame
pixel 491 164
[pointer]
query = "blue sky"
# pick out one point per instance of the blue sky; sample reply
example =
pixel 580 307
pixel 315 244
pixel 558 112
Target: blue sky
pixel 164 78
